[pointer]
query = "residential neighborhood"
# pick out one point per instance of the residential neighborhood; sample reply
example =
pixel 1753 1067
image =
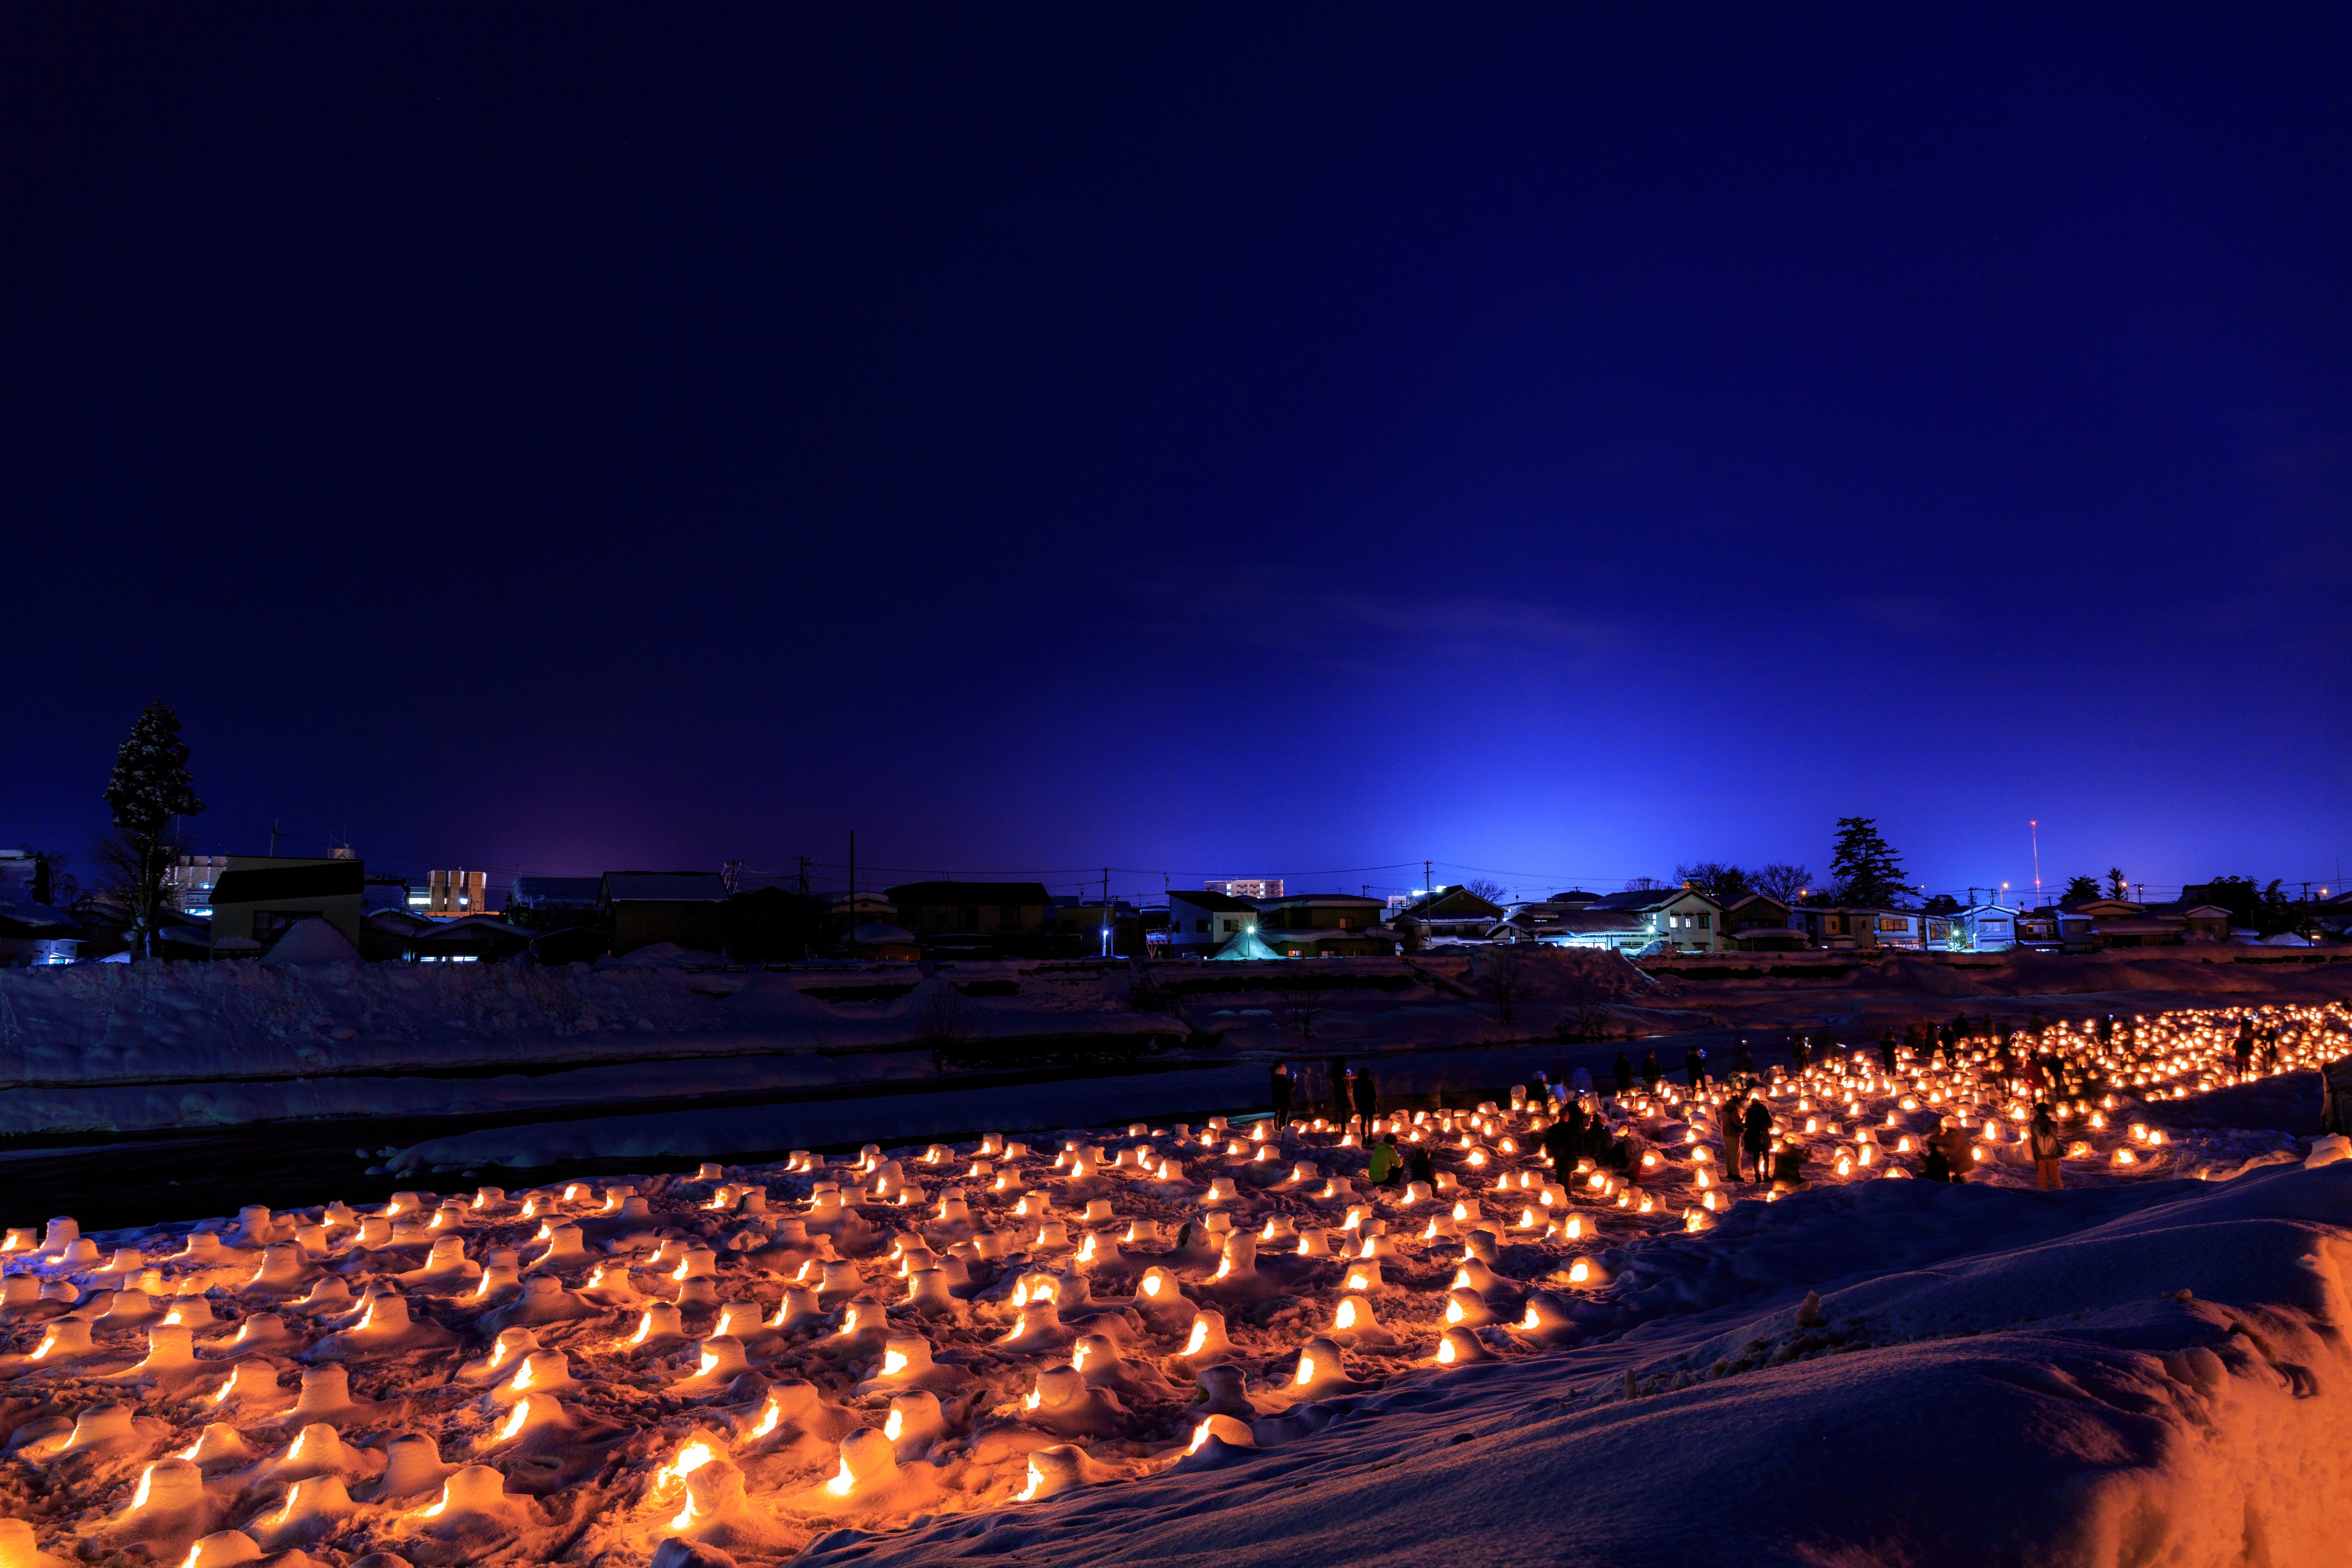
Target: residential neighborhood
pixel 248 906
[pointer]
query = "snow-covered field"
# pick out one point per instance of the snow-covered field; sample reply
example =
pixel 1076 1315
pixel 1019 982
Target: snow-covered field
pixel 1195 1344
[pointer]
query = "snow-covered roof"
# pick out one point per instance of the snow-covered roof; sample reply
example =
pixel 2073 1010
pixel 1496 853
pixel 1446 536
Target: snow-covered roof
pixel 470 927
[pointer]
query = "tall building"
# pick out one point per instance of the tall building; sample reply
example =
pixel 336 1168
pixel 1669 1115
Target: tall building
pixel 192 878
pixel 452 895
pixel 1247 887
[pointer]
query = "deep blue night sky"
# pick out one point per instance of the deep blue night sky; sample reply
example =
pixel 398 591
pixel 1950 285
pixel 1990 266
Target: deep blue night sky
pixel 1564 442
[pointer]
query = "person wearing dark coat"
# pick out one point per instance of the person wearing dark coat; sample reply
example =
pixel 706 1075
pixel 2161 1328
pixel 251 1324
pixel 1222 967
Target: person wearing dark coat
pixel 1624 1070
pixel 2245 1049
pixel 1423 1166
pixel 1756 1136
pixel 1952 1142
pixel 1559 1142
pixel 1887 1051
pixel 1342 1105
pixel 1281 1086
pixel 1950 1044
pixel 1368 1099
pixel 1694 1067
pixel 1650 1071
pixel 1801 1055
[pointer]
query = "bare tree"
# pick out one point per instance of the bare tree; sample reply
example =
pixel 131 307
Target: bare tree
pixel 1481 887
pixel 943 1021
pixel 1302 1003
pixel 1781 881
pixel 134 877
pixel 1585 1017
pixel 1642 884
pixel 1507 983
pixel 1719 880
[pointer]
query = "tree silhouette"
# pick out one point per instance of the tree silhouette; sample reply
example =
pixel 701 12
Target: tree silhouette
pixel 150 786
pixel 1867 870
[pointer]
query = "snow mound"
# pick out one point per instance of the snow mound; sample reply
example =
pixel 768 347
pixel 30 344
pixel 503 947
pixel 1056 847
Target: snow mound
pixel 2078 1401
pixel 661 955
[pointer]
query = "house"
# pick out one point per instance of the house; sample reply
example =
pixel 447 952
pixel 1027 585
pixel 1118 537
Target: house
pixel 1683 918
pixel 2198 922
pixel 1983 928
pixel 1753 911
pixel 2140 931
pixel 1848 926
pixel 1326 925
pixel 929 908
pixel 982 920
pixel 1449 912
pixel 2050 929
pixel 687 907
pixel 2333 915
pixel 2120 923
pixel 468 939
pixel 385 935
pixel 576 894
pixel 32 932
pixel 1322 911
pixel 1902 929
pixel 1574 925
pixel 1200 923
pixel 191 879
pixel 257 898
pixel 845 912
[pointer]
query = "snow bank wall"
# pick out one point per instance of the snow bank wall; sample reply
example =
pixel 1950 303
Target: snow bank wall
pixel 116 1023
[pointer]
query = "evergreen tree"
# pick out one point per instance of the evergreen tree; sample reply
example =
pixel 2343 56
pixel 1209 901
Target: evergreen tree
pixel 2117 886
pixel 1867 870
pixel 150 787
pixel 2079 887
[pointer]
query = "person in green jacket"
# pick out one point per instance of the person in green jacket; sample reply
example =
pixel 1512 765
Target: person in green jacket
pixel 1386 1162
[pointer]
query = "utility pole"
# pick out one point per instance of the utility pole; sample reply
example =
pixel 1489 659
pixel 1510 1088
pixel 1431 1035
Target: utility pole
pixel 273 839
pixel 1428 885
pixel 1105 952
pixel 2034 826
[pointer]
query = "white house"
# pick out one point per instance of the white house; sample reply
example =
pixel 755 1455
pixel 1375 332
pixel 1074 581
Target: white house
pixel 1984 928
pixel 1200 922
